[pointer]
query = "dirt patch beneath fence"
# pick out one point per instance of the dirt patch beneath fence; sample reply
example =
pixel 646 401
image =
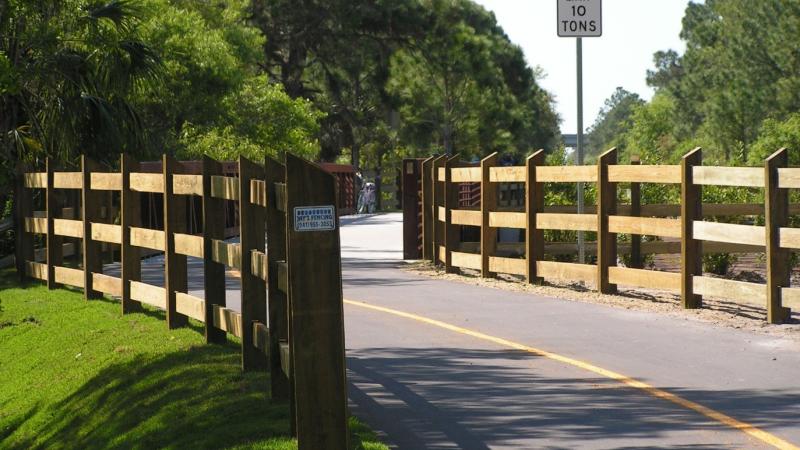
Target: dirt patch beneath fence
pixel 718 312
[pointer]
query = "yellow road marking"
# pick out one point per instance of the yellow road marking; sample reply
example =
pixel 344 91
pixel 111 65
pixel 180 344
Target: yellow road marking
pixel 724 419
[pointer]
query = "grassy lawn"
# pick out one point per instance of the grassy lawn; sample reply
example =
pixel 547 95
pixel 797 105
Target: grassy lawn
pixel 76 374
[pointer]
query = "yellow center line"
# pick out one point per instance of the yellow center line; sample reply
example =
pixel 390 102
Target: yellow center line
pixel 722 418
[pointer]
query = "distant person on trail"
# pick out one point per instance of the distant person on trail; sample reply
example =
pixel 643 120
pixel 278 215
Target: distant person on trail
pixel 366 199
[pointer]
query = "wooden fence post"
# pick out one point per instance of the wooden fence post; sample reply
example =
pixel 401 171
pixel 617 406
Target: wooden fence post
pixel 691 210
pixel 534 204
pixel 213 272
pixel 130 216
pixel 636 211
pixel 55 246
pixel 438 200
pixel 606 206
pixel 23 206
pixel 278 311
pixel 254 295
pixel 776 211
pixel 175 276
pixel 428 218
pixel 488 204
pixel 452 233
pixel 91 205
pixel 317 330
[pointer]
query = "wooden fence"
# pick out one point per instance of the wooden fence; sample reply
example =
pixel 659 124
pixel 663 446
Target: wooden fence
pixel 291 318
pixel 690 235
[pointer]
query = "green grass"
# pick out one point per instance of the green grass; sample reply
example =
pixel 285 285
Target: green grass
pixel 77 374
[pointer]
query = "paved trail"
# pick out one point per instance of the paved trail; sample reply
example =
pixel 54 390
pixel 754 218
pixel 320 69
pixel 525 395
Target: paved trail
pixel 425 384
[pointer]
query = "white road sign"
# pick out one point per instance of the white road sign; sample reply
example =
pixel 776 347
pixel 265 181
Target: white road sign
pixel 314 218
pixel 580 18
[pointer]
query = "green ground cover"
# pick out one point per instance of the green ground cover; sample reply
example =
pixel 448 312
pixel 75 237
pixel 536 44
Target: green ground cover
pixel 77 374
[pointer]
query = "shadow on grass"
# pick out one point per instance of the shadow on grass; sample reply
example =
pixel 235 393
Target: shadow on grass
pixel 193 399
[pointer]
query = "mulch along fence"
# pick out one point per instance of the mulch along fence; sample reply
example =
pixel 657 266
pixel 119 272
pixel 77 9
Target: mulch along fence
pixel 444 214
pixel 291 320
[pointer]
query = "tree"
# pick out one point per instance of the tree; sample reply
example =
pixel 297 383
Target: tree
pixel 612 122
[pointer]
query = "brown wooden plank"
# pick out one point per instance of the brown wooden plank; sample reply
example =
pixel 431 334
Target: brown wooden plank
pixel 36 270
pixel 452 232
pixel 147 293
pixel 466 260
pixel 213 271
pixel 728 176
pixel 68 228
pixel 147 182
pixel 651 279
pixel 280 196
pixel 465 174
pixel 106 233
pixel 175 275
pixel 227 320
pixel 106 181
pixel 566 174
pixel 645 226
pixel 789 178
pixel 67 180
pixel 190 306
pixel 189 245
pixel 187 184
pixel 258 193
pixel 226 253
pixel 635 173
pixel 691 248
pixel 68 276
pixel 438 201
pixel 225 187
pixel 35 180
pixel 576 222
pixel 147 238
pixel 254 289
pixel 516 174
pixel 277 303
pixel 729 232
pixel 567 271
pixel 607 206
pixel 740 291
pixel 465 217
pixel 36 225
pixel 258 264
pixel 107 284
pixel 488 203
pixel 428 218
pixel 514 266
pixel 534 205
pixel 317 331
pixel 776 206
pixel 54 244
pixel 130 216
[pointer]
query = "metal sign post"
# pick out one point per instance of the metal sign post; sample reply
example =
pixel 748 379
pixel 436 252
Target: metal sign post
pixel 579 19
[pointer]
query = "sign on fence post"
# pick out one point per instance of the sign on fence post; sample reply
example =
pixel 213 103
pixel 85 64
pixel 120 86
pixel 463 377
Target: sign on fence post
pixel 317 322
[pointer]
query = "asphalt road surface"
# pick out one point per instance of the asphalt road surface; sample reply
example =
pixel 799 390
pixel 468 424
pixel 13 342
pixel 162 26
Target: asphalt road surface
pixel 436 364
pixel 468 366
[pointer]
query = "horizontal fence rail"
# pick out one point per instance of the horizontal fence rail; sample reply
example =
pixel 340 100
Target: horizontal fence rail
pixel 291 318
pixel 682 229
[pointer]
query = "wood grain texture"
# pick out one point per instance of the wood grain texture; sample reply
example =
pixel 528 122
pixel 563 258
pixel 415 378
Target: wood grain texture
pixel 512 174
pixel 105 181
pixel 68 180
pixel 226 253
pixel 566 174
pixel 466 260
pixel 35 180
pixel 575 222
pixel 567 271
pixel 728 176
pixel 729 232
pixel 258 264
pixel 190 306
pixel 147 238
pixel 645 226
pixel 465 175
pixel 187 184
pixel 789 178
pixel 691 248
pixel 651 279
pixel 465 217
pixel 514 266
pixel 213 271
pixel 508 220
pixel 103 232
pixel 227 320
pixel 68 228
pixel 36 225
pixel 317 330
pixel 189 245
pixel 636 173
pixel 729 289
pixel 147 182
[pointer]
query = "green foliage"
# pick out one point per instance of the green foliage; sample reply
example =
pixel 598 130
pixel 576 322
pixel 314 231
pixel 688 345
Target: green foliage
pixel 613 120
pixel 98 380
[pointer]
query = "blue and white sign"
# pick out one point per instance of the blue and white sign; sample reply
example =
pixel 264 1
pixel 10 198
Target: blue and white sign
pixel 314 218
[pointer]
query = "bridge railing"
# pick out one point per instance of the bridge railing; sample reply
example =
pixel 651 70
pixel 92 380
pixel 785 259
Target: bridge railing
pixel 298 335
pixel 681 226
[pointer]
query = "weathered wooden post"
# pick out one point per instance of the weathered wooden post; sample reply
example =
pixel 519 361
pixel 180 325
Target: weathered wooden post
pixel 534 204
pixel 130 216
pixel 317 323
pixel 438 209
pixel 488 204
pixel 691 210
pixel 254 295
pixel 428 217
pixel 280 386
pixel 23 207
pixel 636 211
pixel 175 276
pixel 55 246
pixel 606 206
pixel 776 211
pixel 411 173
pixel 91 205
pixel 452 232
pixel 213 272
